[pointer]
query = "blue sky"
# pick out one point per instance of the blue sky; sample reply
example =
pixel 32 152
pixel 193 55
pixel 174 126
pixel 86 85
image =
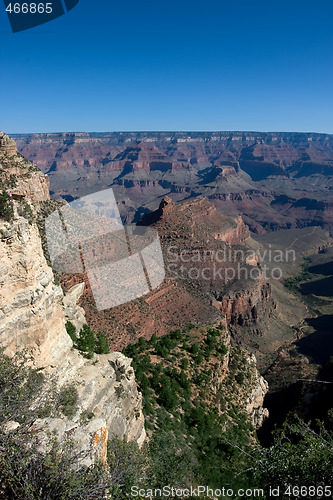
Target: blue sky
pixel 176 65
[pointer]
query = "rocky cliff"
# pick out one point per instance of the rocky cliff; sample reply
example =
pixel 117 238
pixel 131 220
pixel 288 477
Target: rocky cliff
pixel 31 303
pixel 209 254
pixel 249 396
pixel 201 270
pixel 250 306
pixel 7 145
pixel 33 311
pixel 20 175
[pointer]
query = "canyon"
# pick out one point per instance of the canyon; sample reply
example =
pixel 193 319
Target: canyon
pixel 34 308
pixel 275 180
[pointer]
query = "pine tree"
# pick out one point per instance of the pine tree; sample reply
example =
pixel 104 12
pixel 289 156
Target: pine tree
pixel 6 208
pixel 86 341
pixel 102 345
pixel 71 330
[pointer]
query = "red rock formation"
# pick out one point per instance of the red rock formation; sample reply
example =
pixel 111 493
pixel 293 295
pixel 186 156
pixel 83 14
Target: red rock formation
pixel 235 235
pixel 248 306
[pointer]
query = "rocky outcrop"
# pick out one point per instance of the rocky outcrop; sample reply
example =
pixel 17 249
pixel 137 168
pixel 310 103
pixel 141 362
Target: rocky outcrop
pixel 7 145
pixel 108 404
pixel 19 175
pixel 107 393
pixel 249 306
pixel 254 405
pixel 234 235
pixel 34 186
pixel 90 439
pixel 33 311
pixel 73 312
pixel 236 378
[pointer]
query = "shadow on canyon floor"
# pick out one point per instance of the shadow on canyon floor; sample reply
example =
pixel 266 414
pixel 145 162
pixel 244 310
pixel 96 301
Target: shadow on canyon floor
pixel 318 346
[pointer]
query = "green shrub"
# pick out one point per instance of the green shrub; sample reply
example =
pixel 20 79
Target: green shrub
pixel 71 330
pixel 102 345
pixel 240 378
pixel 184 363
pixel 299 456
pixel 27 473
pixel 119 391
pixel 19 386
pixel 86 341
pixel 67 400
pixel 6 207
pixel 128 465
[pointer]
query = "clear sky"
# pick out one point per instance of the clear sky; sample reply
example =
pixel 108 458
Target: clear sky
pixel 176 65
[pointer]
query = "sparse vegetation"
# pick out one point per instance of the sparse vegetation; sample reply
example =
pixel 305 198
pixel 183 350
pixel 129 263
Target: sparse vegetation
pixel 300 456
pixel 25 210
pixel 67 400
pixel 192 444
pixel 293 282
pixel 179 402
pixel 86 342
pixel 56 471
pixel 6 207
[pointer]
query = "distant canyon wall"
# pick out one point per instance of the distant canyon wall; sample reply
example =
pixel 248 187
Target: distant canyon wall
pixel 275 180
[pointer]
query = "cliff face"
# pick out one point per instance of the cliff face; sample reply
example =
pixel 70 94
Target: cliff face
pixel 20 175
pixel 207 253
pixel 32 318
pixel 35 188
pixel 234 235
pixel 7 145
pixel 246 307
pixel 31 304
pixel 250 394
pixel 33 311
pixel 254 402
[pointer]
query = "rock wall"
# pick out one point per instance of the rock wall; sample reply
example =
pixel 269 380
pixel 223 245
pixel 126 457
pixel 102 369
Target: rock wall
pixel 32 318
pixel 254 405
pixel 33 311
pixel 248 395
pixel 35 187
pixel 247 307
pixel 7 145
pixel 74 313
pixel 20 175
